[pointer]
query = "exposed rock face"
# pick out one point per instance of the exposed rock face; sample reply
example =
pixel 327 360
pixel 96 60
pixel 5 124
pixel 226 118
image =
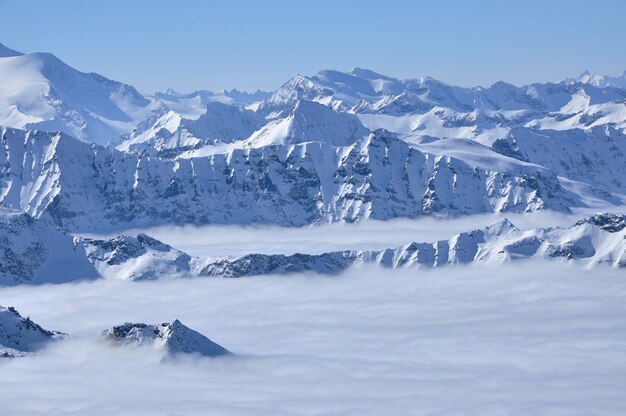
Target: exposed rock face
pixel 600 239
pixel 379 176
pixel 612 223
pixel 258 264
pixel 20 336
pixel 174 338
pixel 136 258
pixel 596 155
pixel 39 91
pixel 169 134
pixel 35 251
pixel 594 240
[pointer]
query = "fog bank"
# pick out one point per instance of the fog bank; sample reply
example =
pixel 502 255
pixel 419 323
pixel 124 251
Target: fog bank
pixel 528 338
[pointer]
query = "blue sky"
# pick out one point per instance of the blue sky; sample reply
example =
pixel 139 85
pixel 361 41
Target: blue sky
pixel 201 44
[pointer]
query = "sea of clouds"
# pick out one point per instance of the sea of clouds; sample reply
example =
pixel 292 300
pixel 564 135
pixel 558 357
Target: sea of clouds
pixel 527 338
pixel 234 240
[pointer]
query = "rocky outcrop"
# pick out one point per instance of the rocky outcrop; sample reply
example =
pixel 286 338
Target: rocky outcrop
pixel 600 239
pixel 36 251
pixel 20 336
pixel 173 338
pixel 136 258
pixel 379 176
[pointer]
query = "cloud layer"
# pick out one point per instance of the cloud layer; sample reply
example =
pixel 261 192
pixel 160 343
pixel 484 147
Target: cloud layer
pixel 529 338
pixel 224 240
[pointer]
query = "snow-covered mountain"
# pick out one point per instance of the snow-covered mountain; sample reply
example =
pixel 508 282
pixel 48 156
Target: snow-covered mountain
pixel 600 239
pixel 135 258
pixel 192 105
pixel 603 80
pixel 330 147
pixel 39 91
pixel 378 176
pixel 596 240
pixel 430 107
pixel 364 91
pixel 36 251
pixel 173 338
pixel 20 336
pixel 170 133
pixel 413 108
pixel 595 156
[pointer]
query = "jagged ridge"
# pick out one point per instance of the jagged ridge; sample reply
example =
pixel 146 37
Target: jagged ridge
pixel 173 337
pixel 21 336
pixel 379 176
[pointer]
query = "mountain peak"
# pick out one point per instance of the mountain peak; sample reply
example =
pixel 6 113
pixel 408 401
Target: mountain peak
pixel 367 73
pixel 602 81
pixel 6 52
pixel 171 92
pixel 311 121
pixel 501 227
pixel 173 337
pixel 20 336
pixel 609 222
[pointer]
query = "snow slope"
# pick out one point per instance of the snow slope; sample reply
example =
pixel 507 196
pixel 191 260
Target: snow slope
pixel 36 251
pixel 596 240
pixel 379 176
pixel 192 105
pixel 603 80
pixel 171 133
pixel 135 258
pixel 600 239
pixel 173 338
pixel 20 336
pixel 39 91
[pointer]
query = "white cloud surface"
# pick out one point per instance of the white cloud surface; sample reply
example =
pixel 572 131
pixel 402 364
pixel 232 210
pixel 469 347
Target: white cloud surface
pixel 232 240
pixel 529 338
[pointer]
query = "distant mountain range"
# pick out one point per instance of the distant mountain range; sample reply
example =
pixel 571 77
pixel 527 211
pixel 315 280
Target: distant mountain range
pixel 82 152
pixel 596 240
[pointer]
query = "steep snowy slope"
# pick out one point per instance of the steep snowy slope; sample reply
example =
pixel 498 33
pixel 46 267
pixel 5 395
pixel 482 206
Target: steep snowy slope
pixel 429 107
pixel 39 91
pixel 378 176
pixel 20 336
pixel 36 251
pixel 192 105
pixel 170 133
pixel 366 91
pixel 603 80
pixel 310 122
pixel 596 155
pixel 338 90
pixel 173 338
pixel 6 52
pixel 135 258
pixel 600 239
